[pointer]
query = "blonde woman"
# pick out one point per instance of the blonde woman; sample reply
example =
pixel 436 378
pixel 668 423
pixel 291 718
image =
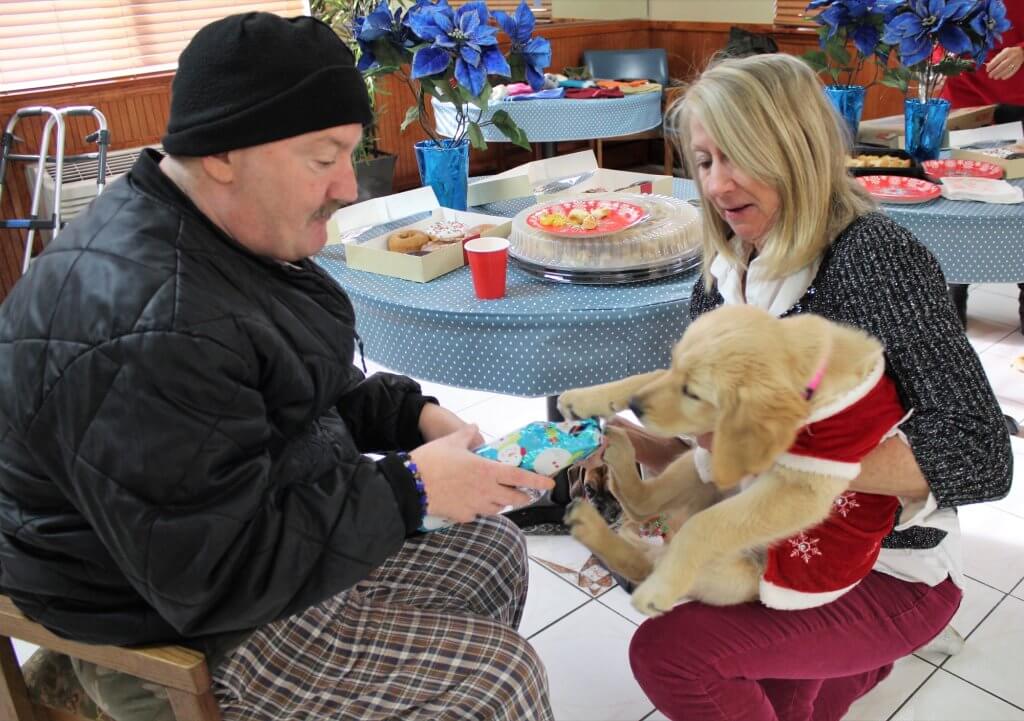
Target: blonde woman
pixel 786 228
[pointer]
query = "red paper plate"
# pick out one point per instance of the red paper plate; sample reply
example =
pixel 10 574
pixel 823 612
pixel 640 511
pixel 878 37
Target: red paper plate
pixel 617 215
pixel 948 168
pixel 899 189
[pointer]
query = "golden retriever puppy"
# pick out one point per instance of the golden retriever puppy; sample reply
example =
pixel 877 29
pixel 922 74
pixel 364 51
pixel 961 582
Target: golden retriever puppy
pixel 794 405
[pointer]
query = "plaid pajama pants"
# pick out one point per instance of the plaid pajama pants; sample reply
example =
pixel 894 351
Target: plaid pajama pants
pixel 428 636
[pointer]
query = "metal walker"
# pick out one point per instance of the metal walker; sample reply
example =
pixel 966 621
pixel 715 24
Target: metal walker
pixel 55 120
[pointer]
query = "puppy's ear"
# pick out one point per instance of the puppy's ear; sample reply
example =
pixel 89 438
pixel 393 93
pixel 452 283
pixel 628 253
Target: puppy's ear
pixel 756 423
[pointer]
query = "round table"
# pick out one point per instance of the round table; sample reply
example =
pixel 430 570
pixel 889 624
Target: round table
pixel 558 120
pixel 973 242
pixel 540 339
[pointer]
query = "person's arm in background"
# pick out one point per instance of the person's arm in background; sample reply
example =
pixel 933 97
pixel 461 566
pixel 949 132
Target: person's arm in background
pixel 892 287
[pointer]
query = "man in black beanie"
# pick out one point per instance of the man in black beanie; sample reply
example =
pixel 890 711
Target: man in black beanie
pixel 183 432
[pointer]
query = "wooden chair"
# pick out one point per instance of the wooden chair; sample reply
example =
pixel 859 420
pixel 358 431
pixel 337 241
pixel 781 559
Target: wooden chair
pixel 180 671
pixel 635 64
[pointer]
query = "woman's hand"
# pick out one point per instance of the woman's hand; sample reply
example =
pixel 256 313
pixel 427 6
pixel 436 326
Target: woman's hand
pixel 1006 63
pixel 437 422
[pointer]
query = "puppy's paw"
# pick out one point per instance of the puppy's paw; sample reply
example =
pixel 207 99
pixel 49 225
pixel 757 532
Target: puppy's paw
pixel 585 403
pixel 618 453
pixel 586 523
pixel 654 598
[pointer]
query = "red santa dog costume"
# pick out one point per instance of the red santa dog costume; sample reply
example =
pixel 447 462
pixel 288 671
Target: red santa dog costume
pixel 822 563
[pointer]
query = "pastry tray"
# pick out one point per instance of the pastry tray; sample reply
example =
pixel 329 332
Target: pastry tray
pixel 666 242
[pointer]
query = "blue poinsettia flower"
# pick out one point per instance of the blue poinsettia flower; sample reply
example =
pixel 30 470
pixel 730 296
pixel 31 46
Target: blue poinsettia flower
pixel 918 26
pixel 463 35
pixel 535 52
pixel 855 16
pixel 989 23
pixel 381 23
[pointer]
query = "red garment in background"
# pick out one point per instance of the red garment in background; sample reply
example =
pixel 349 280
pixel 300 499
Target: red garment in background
pixel 969 89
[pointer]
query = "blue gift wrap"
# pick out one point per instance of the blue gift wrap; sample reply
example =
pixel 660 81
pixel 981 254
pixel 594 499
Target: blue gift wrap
pixel 546 447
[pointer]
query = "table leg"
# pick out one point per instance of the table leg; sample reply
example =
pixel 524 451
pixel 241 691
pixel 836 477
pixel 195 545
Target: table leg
pixel 548 150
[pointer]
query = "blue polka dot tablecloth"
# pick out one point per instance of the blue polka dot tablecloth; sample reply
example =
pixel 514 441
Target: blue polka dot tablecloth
pixel 550 121
pixel 540 339
pixel 973 242
pixel 544 337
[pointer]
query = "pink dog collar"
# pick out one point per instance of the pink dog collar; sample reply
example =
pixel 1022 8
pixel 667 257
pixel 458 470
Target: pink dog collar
pixel 815 381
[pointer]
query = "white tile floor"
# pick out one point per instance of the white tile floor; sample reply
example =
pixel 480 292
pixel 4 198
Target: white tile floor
pixel 583 638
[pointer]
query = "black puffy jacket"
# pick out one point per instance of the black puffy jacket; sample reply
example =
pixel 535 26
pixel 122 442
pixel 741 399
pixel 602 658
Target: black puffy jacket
pixel 182 429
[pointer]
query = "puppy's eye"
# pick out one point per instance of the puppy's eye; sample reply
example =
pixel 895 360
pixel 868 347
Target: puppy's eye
pixel 689 394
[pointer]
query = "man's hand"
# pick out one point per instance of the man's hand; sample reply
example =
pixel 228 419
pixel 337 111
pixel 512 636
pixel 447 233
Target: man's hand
pixel 1006 63
pixel 437 422
pixel 461 485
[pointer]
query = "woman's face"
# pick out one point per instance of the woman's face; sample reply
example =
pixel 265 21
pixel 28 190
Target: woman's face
pixel 749 206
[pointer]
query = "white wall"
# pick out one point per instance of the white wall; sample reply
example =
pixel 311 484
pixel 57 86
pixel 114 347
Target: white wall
pixel 730 11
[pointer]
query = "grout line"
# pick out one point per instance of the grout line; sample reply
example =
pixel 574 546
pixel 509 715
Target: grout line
pixel 907 700
pixel 557 620
pixel 980 688
pixel 622 615
pixel 653 711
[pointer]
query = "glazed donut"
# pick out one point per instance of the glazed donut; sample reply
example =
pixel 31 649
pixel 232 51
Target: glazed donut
pixel 407 241
pixel 479 231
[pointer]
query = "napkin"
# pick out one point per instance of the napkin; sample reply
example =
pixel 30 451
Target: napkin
pixel 517 89
pixel 985 190
pixel 552 94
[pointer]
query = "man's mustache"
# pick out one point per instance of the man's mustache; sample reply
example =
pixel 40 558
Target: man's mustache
pixel 327 210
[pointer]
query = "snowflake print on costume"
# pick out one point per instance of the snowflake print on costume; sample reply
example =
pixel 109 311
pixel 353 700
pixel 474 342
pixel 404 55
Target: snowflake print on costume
pixel 846 503
pixel 804 547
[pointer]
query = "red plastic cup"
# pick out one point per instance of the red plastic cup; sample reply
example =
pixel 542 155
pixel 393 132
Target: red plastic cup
pixel 488 264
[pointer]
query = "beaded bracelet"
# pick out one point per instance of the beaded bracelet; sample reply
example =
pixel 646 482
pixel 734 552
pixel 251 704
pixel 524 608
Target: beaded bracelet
pixel 421 490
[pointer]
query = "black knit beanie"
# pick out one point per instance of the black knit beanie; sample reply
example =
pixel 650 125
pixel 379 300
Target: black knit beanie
pixel 257 77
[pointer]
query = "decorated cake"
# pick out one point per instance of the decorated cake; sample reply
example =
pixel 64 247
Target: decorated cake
pixel 606 232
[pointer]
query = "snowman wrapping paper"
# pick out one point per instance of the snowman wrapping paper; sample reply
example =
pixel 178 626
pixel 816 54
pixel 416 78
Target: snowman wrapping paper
pixel 545 447
pixel 542 447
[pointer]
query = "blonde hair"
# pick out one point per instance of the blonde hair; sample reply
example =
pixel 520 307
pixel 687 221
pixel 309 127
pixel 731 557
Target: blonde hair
pixel 769 116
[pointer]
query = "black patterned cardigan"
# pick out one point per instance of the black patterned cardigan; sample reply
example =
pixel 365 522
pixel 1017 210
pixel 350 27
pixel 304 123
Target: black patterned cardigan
pixel 877 276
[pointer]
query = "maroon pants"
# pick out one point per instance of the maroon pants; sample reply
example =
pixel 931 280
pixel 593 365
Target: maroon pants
pixel 752 663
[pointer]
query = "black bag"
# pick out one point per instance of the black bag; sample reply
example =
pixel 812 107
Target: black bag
pixel 743 43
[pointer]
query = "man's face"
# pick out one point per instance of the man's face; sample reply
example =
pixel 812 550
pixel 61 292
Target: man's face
pixel 284 192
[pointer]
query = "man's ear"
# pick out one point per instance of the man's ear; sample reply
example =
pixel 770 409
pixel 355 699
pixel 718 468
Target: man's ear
pixel 755 424
pixel 218 167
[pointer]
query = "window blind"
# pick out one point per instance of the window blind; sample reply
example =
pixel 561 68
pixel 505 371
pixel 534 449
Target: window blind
pixel 793 12
pixel 541 9
pixel 56 42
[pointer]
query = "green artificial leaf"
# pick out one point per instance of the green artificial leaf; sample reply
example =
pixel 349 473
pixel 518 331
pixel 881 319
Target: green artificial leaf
pixel 387 54
pixel 834 74
pixel 380 70
pixel 476 137
pixel 898 77
pixel 836 49
pixel 411 116
pixel 483 98
pixel 518 66
pixel 503 121
pixel 950 66
pixel 816 59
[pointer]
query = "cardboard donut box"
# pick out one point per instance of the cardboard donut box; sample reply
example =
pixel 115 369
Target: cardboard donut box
pixel 372 254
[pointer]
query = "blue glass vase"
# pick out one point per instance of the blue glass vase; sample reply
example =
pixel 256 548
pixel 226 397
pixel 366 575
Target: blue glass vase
pixel 445 168
pixel 848 100
pixel 925 127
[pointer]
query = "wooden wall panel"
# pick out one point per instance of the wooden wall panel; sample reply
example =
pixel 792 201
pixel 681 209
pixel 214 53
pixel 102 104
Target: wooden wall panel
pixel 137 108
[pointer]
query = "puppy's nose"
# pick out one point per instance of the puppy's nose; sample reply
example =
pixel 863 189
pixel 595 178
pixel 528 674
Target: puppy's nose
pixel 636 406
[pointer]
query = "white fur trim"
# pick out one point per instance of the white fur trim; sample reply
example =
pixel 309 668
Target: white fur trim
pixel 786 599
pixel 702 460
pixel 821 466
pixel 852 396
